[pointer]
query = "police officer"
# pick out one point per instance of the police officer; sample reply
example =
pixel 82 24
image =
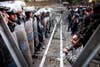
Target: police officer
pixel 12 22
pixel 3 10
pixel 47 23
pixel 43 29
pixel 29 28
pixel 20 15
pixel 5 56
pixel 6 59
pixel 35 29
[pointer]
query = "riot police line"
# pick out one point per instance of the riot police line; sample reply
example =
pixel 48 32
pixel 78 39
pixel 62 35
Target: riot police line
pixel 82 23
pixel 28 26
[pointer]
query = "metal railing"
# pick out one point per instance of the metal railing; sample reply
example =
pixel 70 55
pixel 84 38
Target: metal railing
pixel 61 46
pixel 90 50
pixel 48 45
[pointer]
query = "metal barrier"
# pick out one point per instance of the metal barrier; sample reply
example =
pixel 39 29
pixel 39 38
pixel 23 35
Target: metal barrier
pixel 45 53
pixel 90 50
pixel 61 46
pixel 23 43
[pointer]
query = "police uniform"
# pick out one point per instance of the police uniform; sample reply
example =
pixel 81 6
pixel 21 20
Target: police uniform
pixel 5 57
pixel 29 28
pixel 35 29
pixel 12 22
pixel 46 23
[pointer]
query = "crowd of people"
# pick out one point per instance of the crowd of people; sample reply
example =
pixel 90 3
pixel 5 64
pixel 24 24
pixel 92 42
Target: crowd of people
pixel 82 22
pixel 28 26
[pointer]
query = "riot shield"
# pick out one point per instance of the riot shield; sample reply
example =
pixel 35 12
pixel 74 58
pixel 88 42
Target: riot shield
pixel 6 59
pixel 15 38
pixel 23 43
pixel 29 32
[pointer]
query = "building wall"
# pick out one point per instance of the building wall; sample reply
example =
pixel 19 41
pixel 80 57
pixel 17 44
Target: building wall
pixel 41 0
pixel 45 0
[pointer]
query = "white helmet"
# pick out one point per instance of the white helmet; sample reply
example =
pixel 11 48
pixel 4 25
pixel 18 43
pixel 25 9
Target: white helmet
pixel 29 9
pixel 20 3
